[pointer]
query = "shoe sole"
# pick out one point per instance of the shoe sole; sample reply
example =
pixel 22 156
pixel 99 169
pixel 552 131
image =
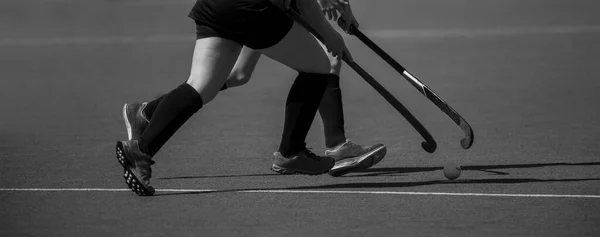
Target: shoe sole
pixel 127 124
pixel 286 171
pixel 130 179
pixel 359 163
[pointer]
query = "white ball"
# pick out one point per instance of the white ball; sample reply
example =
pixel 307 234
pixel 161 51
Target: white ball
pixel 452 171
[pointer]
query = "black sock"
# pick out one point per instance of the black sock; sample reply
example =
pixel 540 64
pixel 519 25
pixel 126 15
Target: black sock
pixel 332 112
pixel 152 105
pixel 173 110
pixel 300 110
pixel 224 87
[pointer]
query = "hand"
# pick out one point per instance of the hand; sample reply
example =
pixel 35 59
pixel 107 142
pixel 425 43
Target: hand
pixel 337 47
pixel 331 8
pixel 347 20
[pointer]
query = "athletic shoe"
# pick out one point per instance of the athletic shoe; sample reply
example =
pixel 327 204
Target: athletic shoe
pixel 137 167
pixel 134 118
pixel 305 162
pixel 351 157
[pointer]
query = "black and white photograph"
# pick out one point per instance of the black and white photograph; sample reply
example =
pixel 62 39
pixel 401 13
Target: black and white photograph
pixel 299 118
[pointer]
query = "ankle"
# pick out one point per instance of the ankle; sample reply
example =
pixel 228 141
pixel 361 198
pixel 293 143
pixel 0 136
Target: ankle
pixel 288 154
pixel 336 144
pixel 143 146
pixel 144 115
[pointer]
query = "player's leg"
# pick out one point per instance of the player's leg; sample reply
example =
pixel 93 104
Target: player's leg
pixel 212 62
pixel 300 51
pixel 331 109
pixel 349 156
pixel 137 115
pixel 243 69
pixel 213 59
pixel 290 52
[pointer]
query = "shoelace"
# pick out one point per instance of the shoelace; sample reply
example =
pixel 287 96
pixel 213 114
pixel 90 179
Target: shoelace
pixel 355 146
pixel 312 155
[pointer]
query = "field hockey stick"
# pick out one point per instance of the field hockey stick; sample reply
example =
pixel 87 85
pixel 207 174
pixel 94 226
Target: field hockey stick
pixel 465 142
pixel 429 145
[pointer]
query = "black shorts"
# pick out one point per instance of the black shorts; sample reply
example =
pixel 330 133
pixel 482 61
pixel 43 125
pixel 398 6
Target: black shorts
pixel 257 24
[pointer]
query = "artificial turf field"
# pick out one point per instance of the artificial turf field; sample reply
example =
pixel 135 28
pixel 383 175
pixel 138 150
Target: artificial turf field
pixel 522 73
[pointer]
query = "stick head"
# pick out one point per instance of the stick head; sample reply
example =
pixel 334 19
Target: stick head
pixel 467 141
pixel 429 146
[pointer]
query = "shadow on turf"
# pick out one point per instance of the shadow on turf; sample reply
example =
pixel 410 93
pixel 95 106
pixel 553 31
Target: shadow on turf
pixel 436 182
pixel 220 176
pixel 399 171
pixel 403 170
pixel 484 168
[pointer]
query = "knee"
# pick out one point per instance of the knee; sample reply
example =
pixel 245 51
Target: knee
pixel 238 78
pixel 317 65
pixel 336 65
pixel 312 84
pixel 208 90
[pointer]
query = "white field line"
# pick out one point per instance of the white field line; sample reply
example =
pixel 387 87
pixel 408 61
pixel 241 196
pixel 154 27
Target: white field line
pixel 381 34
pixel 130 2
pixel 284 191
pixel 158 2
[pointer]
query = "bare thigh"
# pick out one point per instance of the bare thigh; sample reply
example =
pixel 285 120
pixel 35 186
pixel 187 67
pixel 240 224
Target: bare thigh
pixel 335 62
pixel 300 51
pixel 213 60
